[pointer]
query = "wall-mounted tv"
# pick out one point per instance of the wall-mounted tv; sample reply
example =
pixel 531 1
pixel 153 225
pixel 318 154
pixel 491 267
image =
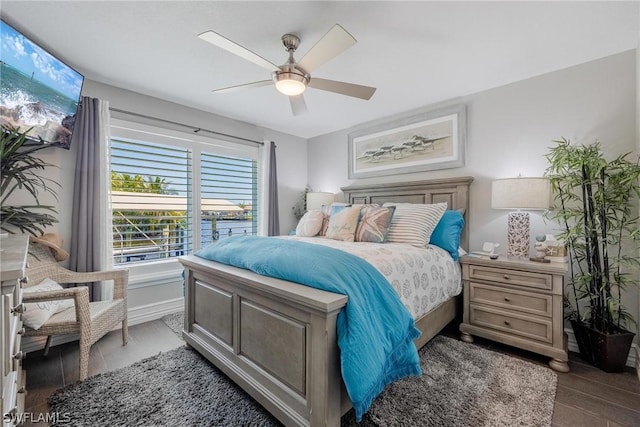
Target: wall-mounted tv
pixel 38 91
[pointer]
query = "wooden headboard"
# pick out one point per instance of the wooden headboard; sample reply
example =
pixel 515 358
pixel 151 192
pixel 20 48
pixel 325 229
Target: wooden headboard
pixel 454 191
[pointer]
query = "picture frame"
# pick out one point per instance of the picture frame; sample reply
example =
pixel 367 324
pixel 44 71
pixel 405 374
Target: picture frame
pixel 428 140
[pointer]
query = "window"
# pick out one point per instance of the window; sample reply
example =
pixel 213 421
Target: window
pixel 171 195
pixel 228 189
pixel 150 184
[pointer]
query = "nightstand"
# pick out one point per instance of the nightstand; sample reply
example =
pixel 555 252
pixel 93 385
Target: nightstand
pixel 516 302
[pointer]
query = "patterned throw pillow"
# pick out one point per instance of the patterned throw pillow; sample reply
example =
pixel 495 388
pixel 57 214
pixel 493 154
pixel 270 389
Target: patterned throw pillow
pixel 310 224
pixel 327 211
pixel 413 223
pixel 374 224
pixel 37 313
pixel 342 225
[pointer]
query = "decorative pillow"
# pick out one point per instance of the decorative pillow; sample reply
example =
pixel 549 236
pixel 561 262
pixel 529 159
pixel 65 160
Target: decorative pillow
pixel 37 313
pixel 342 225
pixel 447 233
pixel 413 223
pixel 310 224
pixel 374 224
pixel 329 210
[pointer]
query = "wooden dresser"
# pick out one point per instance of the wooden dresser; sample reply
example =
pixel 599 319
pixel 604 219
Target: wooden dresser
pixel 516 302
pixel 13 260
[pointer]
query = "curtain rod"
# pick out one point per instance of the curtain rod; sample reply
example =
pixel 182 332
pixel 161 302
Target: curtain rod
pixel 195 129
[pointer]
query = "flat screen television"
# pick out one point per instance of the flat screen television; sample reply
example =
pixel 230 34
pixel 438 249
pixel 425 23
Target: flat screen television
pixel 38 91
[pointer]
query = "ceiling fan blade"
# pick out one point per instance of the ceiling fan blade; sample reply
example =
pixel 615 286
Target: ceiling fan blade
pixel 332 44
pixel 233 47
pixel 243 86
pixel 298 106
pixel 349 89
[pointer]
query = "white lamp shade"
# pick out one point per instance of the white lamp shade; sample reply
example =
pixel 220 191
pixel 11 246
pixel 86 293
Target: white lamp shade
pixel 315 200
pixel 521 193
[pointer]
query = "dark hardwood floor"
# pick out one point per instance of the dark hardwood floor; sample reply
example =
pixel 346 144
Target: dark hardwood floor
pixel 586 396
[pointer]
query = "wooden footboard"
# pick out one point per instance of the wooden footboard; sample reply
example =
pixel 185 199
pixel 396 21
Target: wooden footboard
pixel 275 339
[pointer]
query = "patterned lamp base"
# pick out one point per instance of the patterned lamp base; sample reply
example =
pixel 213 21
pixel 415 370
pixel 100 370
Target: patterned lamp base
pixel 518 234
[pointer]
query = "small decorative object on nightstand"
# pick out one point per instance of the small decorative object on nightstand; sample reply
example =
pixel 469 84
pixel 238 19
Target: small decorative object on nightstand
pixel 516 302
pixel 541 249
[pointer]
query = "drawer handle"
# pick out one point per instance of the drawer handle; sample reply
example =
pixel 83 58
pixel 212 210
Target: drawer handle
pixel 19 355
pixel 18 309
pixel 24 280
pixel 506 299
pixel 506 277
pixel 22 331
pixel 22 390
pixel 507 323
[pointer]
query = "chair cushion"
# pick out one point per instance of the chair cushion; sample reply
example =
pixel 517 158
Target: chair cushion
pixel 96 309
pixel 37 313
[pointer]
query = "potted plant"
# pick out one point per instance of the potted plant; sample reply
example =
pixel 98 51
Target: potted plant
pixel 300 208
pixel 21 170
pixel 595 204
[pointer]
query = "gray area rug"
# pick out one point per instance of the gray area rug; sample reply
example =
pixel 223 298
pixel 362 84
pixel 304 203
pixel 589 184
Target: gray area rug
pixel 462 385
pixel 175 321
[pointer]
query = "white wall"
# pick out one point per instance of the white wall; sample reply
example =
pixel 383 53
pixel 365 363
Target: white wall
pixel 510 128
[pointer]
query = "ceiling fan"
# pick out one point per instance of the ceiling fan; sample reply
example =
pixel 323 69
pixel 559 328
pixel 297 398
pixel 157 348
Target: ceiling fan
pixel 292 78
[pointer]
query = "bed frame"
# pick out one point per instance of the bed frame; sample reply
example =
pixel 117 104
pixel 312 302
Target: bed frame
pixel 277 339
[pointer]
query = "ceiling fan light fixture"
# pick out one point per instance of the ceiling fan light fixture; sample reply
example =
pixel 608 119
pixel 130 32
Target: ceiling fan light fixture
pixel 290 84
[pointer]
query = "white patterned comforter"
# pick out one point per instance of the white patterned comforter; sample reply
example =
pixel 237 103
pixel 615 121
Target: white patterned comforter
pixel 424 278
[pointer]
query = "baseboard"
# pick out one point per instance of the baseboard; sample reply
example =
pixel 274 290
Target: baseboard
pixel 136 315
pixel 149 312
pixel 633 360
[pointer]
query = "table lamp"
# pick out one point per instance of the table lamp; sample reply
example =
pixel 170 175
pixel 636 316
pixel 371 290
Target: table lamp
pixel 315 200
pixel 518 194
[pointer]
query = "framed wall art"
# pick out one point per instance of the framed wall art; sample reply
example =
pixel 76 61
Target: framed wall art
pixel 424 141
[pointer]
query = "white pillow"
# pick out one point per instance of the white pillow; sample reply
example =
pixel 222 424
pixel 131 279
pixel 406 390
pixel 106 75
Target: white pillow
pixel 310 224
pixel 413 223
pixel 37 313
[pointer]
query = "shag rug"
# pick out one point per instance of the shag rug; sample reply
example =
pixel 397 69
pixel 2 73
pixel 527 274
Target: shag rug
pixel 461 385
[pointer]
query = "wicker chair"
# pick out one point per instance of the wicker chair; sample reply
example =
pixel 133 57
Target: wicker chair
pixel 92 320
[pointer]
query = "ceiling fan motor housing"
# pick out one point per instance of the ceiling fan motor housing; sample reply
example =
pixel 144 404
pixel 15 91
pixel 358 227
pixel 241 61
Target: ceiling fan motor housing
pixel 291 79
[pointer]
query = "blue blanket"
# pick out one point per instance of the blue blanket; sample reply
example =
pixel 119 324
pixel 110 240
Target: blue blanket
pixel 375 331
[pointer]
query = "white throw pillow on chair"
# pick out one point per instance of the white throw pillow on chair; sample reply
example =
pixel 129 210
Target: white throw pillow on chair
pixel 37 313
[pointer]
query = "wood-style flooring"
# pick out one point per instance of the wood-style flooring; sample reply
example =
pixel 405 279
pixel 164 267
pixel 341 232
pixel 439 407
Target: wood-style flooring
pixel 586 396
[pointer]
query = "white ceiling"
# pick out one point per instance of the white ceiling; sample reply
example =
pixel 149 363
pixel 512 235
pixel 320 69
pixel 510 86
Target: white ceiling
pixel 415 53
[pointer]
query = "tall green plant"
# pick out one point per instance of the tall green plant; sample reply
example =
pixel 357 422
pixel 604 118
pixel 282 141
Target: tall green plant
pixel 595 204
pixel 21 170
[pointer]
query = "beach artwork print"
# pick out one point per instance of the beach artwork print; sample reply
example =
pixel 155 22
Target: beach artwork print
pixel 423 145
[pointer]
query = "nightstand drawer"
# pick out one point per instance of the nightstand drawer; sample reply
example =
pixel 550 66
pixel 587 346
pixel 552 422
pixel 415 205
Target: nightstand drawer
pixel 512 277
pixel 502 297
pixel 512 323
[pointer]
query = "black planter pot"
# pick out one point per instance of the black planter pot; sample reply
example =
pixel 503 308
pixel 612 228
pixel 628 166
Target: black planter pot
pixel 606 351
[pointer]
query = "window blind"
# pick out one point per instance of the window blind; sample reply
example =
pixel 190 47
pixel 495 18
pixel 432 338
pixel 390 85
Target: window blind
pixel 168 200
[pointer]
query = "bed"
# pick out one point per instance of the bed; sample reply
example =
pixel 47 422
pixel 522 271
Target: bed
pixel 277 339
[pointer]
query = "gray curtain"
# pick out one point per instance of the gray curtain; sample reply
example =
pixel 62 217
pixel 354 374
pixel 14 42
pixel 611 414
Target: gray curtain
pixel 273 228
pixel 89 227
